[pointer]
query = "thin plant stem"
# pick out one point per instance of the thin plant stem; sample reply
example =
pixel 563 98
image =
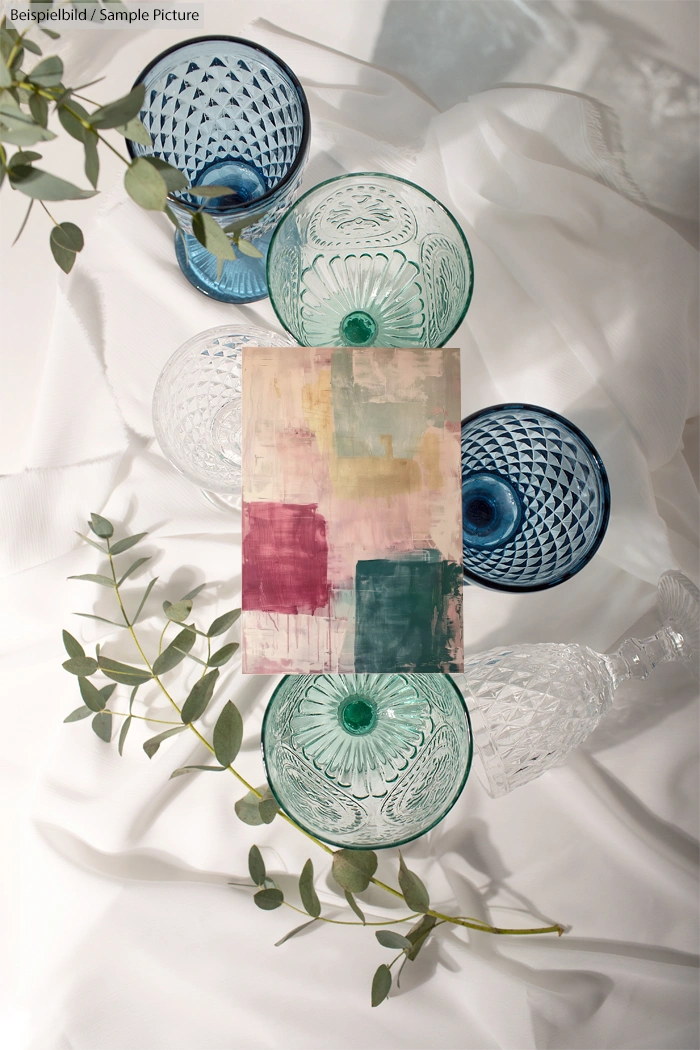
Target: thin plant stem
pixel 349 922
pixel 48 213
pixel 143 718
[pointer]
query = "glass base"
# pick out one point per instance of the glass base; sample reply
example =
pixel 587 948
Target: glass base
pixel 678 607
pixel 242 281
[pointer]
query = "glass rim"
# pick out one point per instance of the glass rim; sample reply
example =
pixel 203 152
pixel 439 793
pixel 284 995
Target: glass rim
pixel 306 118
pixel 386 845
pixel 391 178
pixel 605 499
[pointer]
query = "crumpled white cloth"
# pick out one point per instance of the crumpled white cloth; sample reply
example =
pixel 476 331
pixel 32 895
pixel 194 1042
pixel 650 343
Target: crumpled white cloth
pixel 128 936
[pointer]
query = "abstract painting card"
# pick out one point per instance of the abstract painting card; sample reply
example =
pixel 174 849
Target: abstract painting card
pixel 352 518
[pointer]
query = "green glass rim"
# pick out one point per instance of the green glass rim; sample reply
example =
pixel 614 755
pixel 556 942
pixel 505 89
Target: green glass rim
pixel 385 845
pixel 390 178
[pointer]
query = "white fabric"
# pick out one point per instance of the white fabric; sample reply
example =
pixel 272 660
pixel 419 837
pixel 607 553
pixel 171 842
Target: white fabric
pixel 126 935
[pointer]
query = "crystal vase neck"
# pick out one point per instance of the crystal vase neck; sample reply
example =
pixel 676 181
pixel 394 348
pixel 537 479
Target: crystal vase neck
pixel 637 658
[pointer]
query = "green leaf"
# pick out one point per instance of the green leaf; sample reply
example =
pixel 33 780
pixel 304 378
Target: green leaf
pixel 268 809
pixel 93 697
pixel 26 135
pixel 353 868
pixel 177 611
pixel 146 593
pixel 419 934
pixel 414 892
pixel 107 691
pixel 210 191
pixel 132 568
pixel 48 72
pixel 248 249
pixel 69 236
pixel 355 906
pixel 269 899
pixel 193 593
pixel 5 76
pixel 199 696
pixel 381 985
pixel 223 655
pixel 102 725
pixel 103 550
pixel 100 526
pixel 129 541
pixel 307 891
pixel 153 743
pixel 72 645
pixel 93 577
pixel 91 616
pixel 222 623
pixel 145 185
pixel 115 114
pixel 389 939
pixel 68 113
pixel 248 808
pixel 39 109
pixel 172 177
pixel 123 673
pixel 175 652
pixel 31 46
pixel 292 933
pixel 122 734
pixel 23 157
pixel 46 187
pixel 228 734
pixel 135 131
pixel 81 665
pixel 49 32
pixel 183 770
pixel 59 241
pixel 256 866
pixel 78 714
pixel 92 158
pixel 64 258
pixel 211 236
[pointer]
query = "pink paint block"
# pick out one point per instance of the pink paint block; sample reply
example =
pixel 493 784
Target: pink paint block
pixel 285 558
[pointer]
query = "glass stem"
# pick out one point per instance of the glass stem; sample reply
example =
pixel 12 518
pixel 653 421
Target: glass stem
pixel 637 658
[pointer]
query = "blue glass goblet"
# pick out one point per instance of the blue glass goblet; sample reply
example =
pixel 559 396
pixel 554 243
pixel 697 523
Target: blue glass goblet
pixel 227 112
pixel 535 498
pixel 366 761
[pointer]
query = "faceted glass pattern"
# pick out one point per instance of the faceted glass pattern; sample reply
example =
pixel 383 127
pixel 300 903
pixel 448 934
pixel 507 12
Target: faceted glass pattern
pixel 535 498
pixel 366 761
pixel 369 260
pixel 227 112
pixel 197 405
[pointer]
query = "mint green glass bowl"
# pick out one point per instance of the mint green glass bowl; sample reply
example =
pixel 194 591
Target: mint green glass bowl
pixel 369 260
pixel 366 761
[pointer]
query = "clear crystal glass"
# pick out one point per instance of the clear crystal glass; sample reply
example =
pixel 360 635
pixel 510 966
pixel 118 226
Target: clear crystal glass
pixel 366 761
pixel 197 405
pixel 535 498
pixel 227 112
pixel 369 260
pixel 530 705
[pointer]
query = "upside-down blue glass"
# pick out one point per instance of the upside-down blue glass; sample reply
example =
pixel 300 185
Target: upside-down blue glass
pixel 535 498
pixel 227 112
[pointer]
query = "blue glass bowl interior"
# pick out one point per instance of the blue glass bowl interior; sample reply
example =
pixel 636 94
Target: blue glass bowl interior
pixel 535 498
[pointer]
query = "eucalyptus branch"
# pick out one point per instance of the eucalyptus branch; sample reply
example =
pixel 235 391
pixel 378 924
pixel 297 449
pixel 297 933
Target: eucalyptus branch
pixel 352 870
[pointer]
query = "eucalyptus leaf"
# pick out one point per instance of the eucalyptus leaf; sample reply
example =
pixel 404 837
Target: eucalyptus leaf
pixel 59 239
pixel 93 697
pixel 68 114
pixel 102 725
pixel 91 616
pixel 199 696
pixel 292 933
pixel 222 623
pixel 115 114
pixel 80 665
pixel 248 249
pixel 27 135
pixel 178 611
pixel 123 673
pixel 381 985
pixel 122 734
pixel 355 907
pixel 175 652
pixel 101 526
pixel 146 593
pixel 5 76
pixel 153 743
pixel 72 645
pixel 256 866
pixel 48 72
pixel 92 157
pixel 268 809
pixel 307 891
pixel 94 577
pixel 22 157
pixel 69 236
pixel 145 185
pixel 210 191
pixel 183 770
pixel 390 939
pixel 172 177
pixel 97 546
pixel 39 109
pixel 31 46
pixel 269 899
pixel 78 714
pixel 40 184
pixel 49 32
pixel 135 131
pixel 212 237
pixel 107 690
pixel 419 934
pixel 353 869
pixel 129 541
pixel 228 734
pixel 223 655
pixel 63 256
pixel 132 568
pixel 248 810
pixel 414 892
pixel 191 595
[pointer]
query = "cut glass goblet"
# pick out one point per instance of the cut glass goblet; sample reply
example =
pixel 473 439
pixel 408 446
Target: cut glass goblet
pixel 535 498
pixel 226 112
pixel 197 407
pixel 369 260
pixel 530 705
pixel 366 761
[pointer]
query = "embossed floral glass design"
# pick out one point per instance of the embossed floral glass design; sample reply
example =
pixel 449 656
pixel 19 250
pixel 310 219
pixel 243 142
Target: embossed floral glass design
pixel 197 406
pixel 535 498
pixel 531 705
pixel 366 761
pixel 227 112
pixel 369 260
